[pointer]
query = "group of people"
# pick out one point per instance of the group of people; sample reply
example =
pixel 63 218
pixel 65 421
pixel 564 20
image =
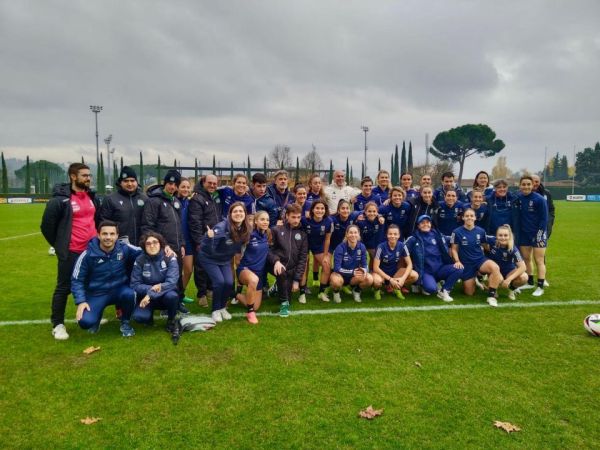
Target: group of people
pixel 138 251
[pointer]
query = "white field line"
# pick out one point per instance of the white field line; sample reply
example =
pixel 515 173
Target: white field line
pixel 315 312
pixel 19 236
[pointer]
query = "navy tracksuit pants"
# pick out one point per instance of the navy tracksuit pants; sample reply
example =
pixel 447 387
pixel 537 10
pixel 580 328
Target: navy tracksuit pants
pixel 122 297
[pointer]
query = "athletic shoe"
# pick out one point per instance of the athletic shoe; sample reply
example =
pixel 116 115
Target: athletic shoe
pixel 479 284
pixel 187 300
pixel 103 321
pixel 323 297
pixel 538 292
pixel 265 290
pixel 126 329
pixel 526 286
pixel 377 294
pixel 203 302
pixel 164 314
pixel 183 310
pixel 93 329
pixel 302 298
pixel 307 291
pixel 251 316
pixel 546 284
pixel 356 296
pixel 60 332
pixel 414 289
pixel 492 301
pixel 234 301
pixel 337 297
pixel 225 314
pixel 511 294
pixel 216 316
pixel 444 295
pixel 284 309
pixel 347 290
pixel 398 294
pixel 424 292
pixel 273 290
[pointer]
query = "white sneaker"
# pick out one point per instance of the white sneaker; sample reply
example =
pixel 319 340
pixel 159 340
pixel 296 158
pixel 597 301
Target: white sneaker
pixel 546 284
pixel 234 301
pixel 538 292
pixel 216 316
pixel 511 294
pixel 414 289
pixel 302 298
pixel 356 296
pixel 60 332
pixel 424 292
pixel 337 297
pixel 323 297
pixel 526 286
pixel 492 301
pixel 225 314
pixel 445 296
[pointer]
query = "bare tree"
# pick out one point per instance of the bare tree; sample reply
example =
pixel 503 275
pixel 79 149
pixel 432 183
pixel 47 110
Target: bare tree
pixel 435 170
pixel 280 156
pixel 312 160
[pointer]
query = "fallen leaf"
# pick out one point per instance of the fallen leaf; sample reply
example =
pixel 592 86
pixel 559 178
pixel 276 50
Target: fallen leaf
pixel 418 364
pixel 506 426
pixel 91 350
pixel 370 413
pixel 90 420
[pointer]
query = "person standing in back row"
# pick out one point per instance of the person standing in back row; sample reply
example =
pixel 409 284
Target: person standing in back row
pixel 68 223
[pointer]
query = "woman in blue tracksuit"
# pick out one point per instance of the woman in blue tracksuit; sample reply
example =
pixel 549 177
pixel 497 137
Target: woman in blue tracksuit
pixel 449 214
pixel 366 195
pixel 423 205
pixel 532 232
pixel 318 229
pixel 503 252
pixel 219 245
pixel 478 205
pixel 387 265
pixel 467 252
pixel 238 193
pixel 371 230
pixel 350 266
pixel 397 210
pixel 154 280
pixel 251 268
pixel 184 191
pixel 501 208
pixel 341 220
pixel 429 254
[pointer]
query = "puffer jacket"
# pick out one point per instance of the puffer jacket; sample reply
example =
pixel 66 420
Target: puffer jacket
pixel 150 270
pixel 204 211
pixel 126 210
pixel 163 215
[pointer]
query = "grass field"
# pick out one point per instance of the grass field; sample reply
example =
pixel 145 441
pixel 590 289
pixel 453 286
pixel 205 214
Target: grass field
pixel 300 382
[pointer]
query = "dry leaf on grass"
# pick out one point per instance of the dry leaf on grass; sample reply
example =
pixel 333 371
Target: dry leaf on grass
pixel 370 413
pixel 506 426
pixel 418 364
pixel 90 420
pixel 91 350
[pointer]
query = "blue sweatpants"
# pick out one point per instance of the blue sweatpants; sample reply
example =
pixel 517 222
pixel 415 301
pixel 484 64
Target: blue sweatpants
pixel 169 301
pixel 448 273
pixel 122 297
pixel 221 277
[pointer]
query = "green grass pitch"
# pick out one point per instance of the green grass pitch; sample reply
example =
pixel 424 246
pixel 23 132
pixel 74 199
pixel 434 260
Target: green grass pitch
pixel 300 382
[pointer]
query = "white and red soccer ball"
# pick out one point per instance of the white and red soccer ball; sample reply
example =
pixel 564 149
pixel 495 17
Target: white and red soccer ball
pixel 592 324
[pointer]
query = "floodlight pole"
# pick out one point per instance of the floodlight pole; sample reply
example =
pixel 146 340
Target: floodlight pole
pixel 96 109
pixel 366 130
pixel 107 141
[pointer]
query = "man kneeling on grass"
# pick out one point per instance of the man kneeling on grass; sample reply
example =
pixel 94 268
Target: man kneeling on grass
pixel 101 278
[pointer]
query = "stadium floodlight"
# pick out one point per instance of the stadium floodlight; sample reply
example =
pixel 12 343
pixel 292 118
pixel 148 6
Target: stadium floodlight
pixel 96 109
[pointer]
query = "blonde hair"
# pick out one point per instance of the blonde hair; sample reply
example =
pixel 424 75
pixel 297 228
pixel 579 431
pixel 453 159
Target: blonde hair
pixel 511 237
pixel 348 229
pixel 255 224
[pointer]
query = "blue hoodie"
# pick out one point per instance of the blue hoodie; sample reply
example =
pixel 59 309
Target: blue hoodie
pixel 220 248
pixel 255 253
pixel 150 270
pixel 97 272
pixel 346 259
pixel 416 246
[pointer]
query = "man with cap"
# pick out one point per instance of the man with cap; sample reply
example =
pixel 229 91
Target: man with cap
pixel 162 214
pixel 125 206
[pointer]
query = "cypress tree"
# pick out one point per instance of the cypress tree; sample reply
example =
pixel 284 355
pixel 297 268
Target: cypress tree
pixel 214 169
pixel 158 174
pixel 265 165
pixel 297 173
pixel 330 177
pixel 196 170
pixel 347 168
pixel 249 169
pixel 141 180
pixel 379 165
pixel 4 176
pixel 362 170
pixel 27 177
pixel 403 160
pixel 115 173
pixel 121 167
pixel 101 180
pixel 396 179
pixel 410 158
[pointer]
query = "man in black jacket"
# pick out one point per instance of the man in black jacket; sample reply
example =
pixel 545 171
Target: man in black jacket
pixel 68 223
pixel 204 211
pixel 287 256
pixel 125 206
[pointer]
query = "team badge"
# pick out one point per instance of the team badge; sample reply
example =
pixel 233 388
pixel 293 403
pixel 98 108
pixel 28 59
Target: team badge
pixel 176 205
pixel 119 256
pixel 229 241
pixel 297 236
pixel 140 202
pixel 163 264
pixel 121 202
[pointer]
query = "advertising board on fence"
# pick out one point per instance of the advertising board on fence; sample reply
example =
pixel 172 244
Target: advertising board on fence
pixel 19 200
pixel 583 198
pixel 593 198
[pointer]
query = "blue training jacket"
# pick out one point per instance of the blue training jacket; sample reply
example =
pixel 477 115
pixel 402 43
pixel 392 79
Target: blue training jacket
pixel 220 248
pixel 97 272
pixel 415 245
pixel 150 270
pixel 255 253
pixel 345 259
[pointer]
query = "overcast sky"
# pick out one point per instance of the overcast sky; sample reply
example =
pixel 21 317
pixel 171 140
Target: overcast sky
pixel 195 78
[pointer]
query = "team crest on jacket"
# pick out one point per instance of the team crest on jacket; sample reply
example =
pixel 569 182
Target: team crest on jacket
pixel 119 256
pixel 140 202
pixel 176 205
pixel 163 264
pixel 121 202
pixel 229 241
pixel 359 252
pixel 297 236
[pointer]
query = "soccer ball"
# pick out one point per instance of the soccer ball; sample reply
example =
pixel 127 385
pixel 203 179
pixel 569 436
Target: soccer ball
pixel 51 251
pixel 592 324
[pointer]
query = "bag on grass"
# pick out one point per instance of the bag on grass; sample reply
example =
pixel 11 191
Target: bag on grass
pixel 196 323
